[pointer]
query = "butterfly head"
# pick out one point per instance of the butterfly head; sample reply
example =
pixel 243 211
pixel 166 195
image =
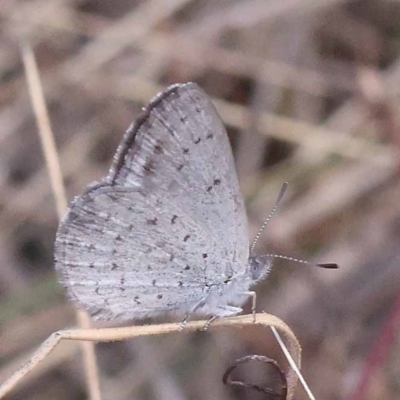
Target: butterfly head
pixel 259 267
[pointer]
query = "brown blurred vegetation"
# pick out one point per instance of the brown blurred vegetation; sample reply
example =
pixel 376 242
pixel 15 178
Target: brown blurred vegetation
pixel 309 92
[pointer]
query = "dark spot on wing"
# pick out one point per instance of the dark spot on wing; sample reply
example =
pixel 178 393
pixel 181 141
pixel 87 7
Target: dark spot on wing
pixel 112 197
pixel 154 282
pixel 136 300
pixel 186 238
pixel 67 243
pixel 183 119
pixel 131 227
pixel 198 109
pixel 179 168
pixel 159 296
pixel 158 149
pixel 205 255
pixel 149 166
pixel 149 268
pixel 185 151
pixel 114 252
pixel 122 281
pixel 180 283
pixel 171 257
pixel 152 221
pixel 91 247
pixel 130 208
pixel 70 264
pixel 197 141
pixel 173 219
pixel 216 182
pixel 91 265
pixel 97 290
pixel 119 238
pixel 72 215
pixel 114 266
pixel 187 268
pixel 210 135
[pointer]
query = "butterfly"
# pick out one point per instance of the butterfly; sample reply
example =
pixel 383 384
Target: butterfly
pixel 166 230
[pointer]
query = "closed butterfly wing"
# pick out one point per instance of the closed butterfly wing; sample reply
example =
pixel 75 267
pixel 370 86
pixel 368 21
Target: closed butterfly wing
pixel 168 221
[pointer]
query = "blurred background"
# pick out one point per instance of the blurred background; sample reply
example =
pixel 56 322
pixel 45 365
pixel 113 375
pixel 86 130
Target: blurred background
pixel 309 92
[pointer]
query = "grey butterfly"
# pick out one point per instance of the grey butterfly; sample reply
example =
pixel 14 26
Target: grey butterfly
pixel 166 229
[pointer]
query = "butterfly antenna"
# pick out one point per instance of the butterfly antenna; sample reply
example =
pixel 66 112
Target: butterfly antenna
pixel 327 265
pixel 271 214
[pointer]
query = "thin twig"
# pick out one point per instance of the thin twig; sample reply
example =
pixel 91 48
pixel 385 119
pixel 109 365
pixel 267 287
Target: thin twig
pixel 117 334
pixel 44 127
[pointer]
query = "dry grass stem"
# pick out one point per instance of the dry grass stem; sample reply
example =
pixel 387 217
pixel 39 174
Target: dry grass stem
pixel 292 345
pixel 57 185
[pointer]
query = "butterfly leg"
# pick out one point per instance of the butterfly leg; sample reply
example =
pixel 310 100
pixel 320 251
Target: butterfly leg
pixel 253 303
pixel 223 311
pixel 190 313
pixel 184 322
pixel 208 323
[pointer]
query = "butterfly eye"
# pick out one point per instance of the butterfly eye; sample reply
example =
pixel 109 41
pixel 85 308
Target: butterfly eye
pixel 256 266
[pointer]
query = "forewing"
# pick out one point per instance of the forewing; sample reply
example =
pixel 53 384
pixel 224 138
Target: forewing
pixel 124 254
pixel 180 147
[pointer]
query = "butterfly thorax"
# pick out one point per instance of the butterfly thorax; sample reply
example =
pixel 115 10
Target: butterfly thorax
pixel 234 291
